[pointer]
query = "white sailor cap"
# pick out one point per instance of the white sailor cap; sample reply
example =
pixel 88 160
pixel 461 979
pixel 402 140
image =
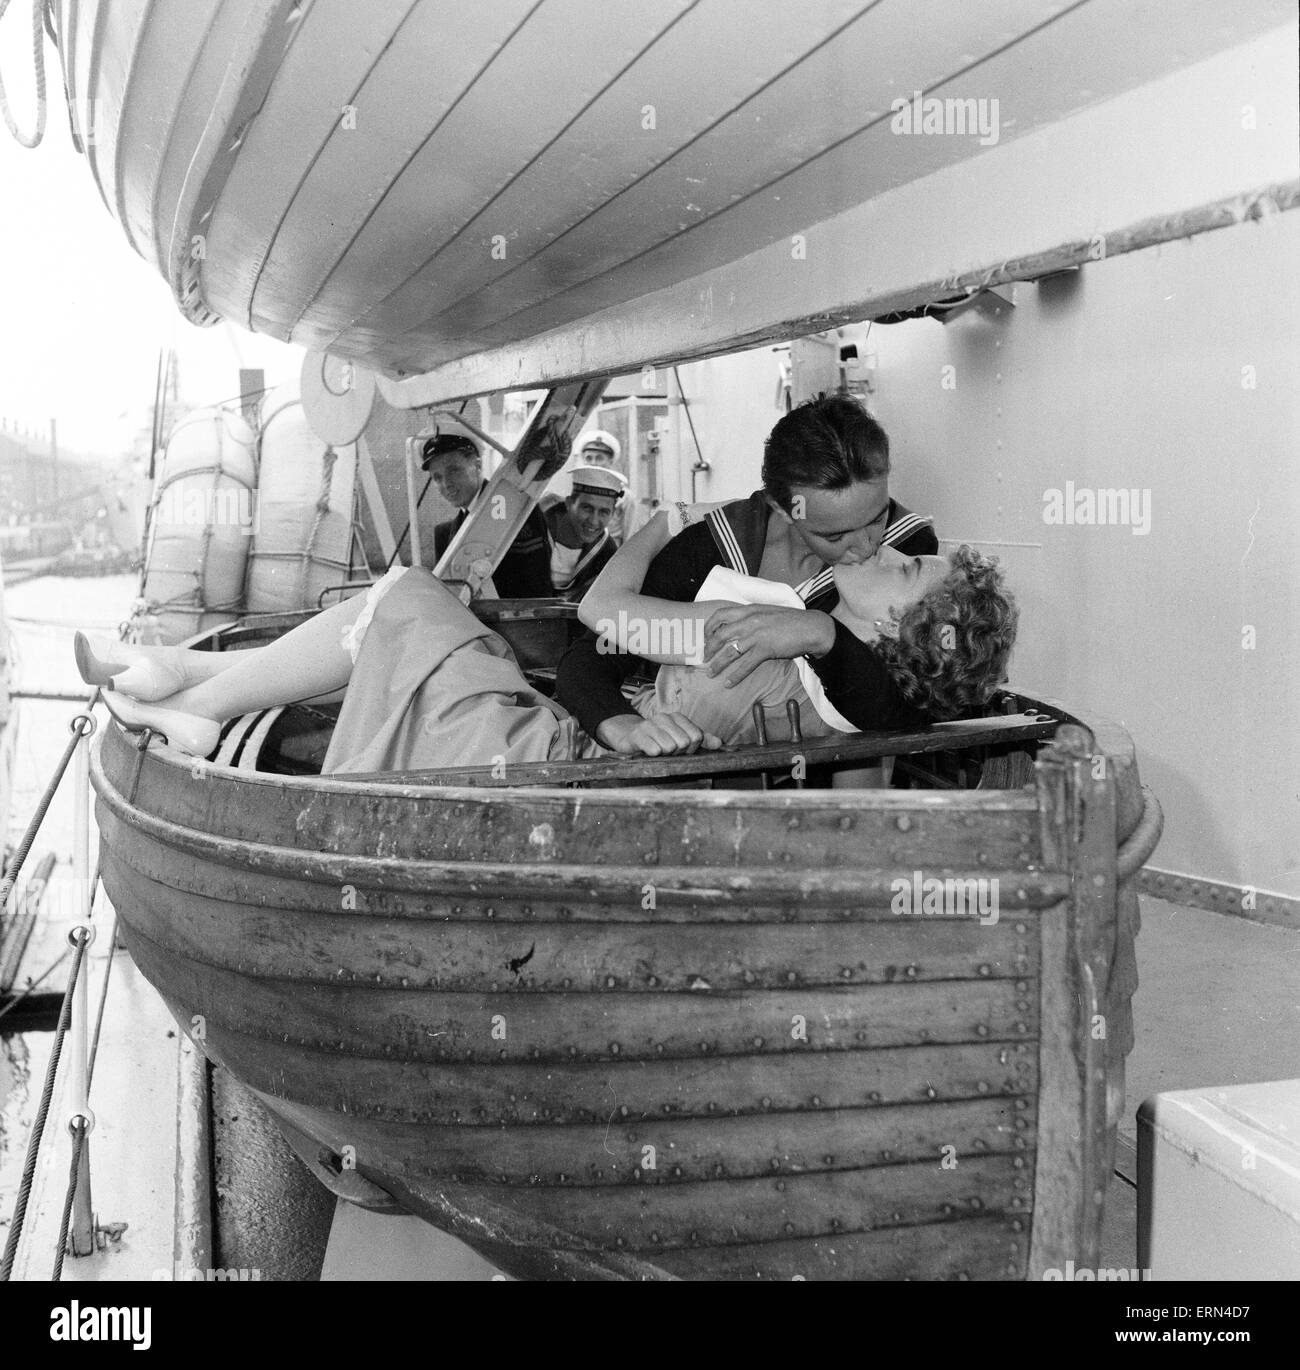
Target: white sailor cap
pixel 597 480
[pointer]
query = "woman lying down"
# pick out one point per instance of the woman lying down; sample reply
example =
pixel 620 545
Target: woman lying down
pixel 426 685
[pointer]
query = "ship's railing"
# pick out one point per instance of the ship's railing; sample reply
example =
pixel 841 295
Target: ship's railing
pixel 74 1029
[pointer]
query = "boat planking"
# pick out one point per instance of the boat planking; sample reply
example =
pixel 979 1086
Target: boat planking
pixel 686 1029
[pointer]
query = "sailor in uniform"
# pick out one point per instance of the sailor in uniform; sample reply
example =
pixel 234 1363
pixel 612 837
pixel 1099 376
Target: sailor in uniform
pixel 455 465
pixel 581 543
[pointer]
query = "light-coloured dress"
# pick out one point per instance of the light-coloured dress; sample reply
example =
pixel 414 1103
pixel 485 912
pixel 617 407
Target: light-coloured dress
pixel 432 687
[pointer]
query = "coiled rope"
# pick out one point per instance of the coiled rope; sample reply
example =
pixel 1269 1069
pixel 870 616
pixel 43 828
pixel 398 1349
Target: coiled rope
pixel 38 61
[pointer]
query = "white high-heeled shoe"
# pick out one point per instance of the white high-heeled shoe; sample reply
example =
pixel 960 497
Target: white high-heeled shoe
pixel 142 673
pixel 190 733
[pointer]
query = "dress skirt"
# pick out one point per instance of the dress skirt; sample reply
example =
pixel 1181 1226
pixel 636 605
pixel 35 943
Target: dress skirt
pixel 432 687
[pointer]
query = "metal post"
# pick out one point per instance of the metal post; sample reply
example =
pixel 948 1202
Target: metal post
pixel 81 1232
pixel 413 505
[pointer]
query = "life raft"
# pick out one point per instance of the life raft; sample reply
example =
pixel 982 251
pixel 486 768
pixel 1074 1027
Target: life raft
pixel 201 525
pixel 302 534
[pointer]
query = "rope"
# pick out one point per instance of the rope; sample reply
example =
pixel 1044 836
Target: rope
pixel 82 726
pixel 38 61
pixel 78 1130
pixel 42 1112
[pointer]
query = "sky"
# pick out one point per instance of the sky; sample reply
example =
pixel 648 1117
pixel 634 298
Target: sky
pixel 81 316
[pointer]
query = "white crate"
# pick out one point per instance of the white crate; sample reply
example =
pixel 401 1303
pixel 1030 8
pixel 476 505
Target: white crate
pixel 1219 1183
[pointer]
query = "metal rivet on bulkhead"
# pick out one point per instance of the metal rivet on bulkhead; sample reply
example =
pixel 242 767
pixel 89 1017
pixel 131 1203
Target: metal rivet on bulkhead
pixel 846 824
pixel 983 1086
pixel 828 1160
pixel 910 972
pixel 904 823
pixel 985 970
pixel 490 913
pixel 816 1101
pixel 1020 927
pixel 758 1041
pixel 610 982
pixel 767 1103
pixel 981 1030
pixel 614 1048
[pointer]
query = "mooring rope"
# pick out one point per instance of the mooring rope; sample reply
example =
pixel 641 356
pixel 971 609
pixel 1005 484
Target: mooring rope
pixel 38 61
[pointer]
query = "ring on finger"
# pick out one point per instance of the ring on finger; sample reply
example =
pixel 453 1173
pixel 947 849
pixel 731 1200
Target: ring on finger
pixel 738 649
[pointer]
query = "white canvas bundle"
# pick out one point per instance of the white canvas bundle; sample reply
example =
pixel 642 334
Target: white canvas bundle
pixel 300 541
pixel 201 521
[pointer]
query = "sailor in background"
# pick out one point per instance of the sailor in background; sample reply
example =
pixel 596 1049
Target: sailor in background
pixel 455 465
pixel 581 543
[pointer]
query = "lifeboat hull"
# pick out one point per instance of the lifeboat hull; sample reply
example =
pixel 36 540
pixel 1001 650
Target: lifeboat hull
pixel 676 1033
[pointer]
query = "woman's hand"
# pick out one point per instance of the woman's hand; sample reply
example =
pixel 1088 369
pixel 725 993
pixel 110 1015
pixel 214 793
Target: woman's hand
pixel 663 735
pixel 742 636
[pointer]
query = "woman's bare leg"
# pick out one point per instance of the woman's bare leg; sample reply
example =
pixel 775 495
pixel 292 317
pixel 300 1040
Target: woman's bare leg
pixel 307 662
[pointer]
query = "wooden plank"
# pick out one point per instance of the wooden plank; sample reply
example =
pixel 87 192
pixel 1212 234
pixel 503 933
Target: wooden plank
pixel 779 756
pixel 1131 196
pixel 703 153
pixel 563 53
pixel 486 957
pixel 656 1216
pixel 316 84
pixel 1070 1180
pixel 788 153
pixel 207 810
pixel 425 1025
pixel 513 1093
pixel 992 1247
pixel 672 1151
pixel 528 895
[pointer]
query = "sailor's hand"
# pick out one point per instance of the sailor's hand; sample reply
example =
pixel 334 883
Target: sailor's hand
pixel 743 636
pixel 663 735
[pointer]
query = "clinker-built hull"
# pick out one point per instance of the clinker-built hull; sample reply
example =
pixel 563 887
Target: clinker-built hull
pixel 649 1033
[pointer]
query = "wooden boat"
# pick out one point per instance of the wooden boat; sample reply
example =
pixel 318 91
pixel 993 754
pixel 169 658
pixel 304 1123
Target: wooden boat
pixel 679 1029
pixel 365 179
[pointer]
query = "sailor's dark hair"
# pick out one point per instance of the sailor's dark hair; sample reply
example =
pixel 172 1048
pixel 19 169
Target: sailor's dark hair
pixel 828 443
pixel 447 444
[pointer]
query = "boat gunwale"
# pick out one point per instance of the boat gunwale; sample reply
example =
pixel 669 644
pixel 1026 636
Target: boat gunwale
pixel 654 796
pixel 576 881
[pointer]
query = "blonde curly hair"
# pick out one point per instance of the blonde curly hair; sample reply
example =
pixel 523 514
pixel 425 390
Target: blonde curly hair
pixel 953 644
